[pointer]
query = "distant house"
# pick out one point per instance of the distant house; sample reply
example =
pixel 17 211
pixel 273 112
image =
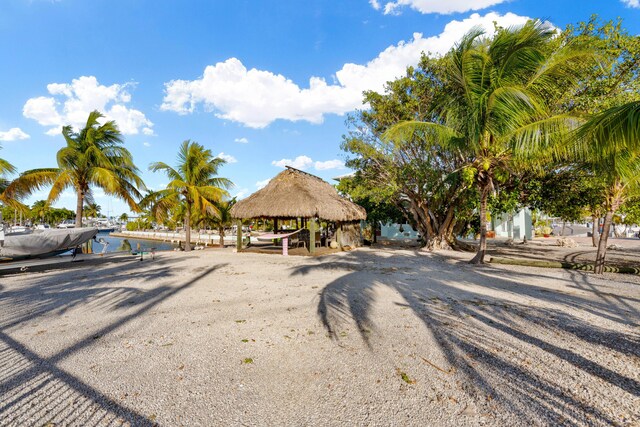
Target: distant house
pixel 513 225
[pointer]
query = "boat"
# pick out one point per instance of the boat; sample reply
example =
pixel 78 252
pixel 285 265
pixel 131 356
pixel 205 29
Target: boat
pixel 67 223
pixel 42 243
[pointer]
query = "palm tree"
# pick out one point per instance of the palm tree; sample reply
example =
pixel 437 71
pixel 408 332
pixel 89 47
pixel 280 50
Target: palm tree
pixel 92 210
pixel 39 210
pixel 610 143
pixel 6 197
pixel 92 157
pixel 194 185
pixel 221 219
pixel 496 104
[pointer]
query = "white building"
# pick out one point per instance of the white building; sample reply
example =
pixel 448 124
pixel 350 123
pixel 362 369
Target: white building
pixel 514 225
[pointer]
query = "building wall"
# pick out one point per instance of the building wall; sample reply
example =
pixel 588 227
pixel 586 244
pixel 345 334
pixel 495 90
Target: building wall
pixel 515 226
pixel 392 231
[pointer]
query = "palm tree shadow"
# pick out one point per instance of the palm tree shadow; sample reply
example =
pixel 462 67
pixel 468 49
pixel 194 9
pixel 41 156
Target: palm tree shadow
pixel 36 387
pixel 463 323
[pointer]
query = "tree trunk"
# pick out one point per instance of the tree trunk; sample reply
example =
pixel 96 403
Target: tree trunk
pixel 374 227
pixel 594 230
pixel 564 226
pixel 187 228
pixel 482 249
pixel 602 245
pixel 79 204
pixel 221 233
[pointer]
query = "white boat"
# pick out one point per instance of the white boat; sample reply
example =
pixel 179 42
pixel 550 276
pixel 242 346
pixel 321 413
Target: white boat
pixel 42 243
pixel 67 223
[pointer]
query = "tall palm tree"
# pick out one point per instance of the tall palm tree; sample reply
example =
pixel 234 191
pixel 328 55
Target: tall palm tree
pixel 194 185
pixel 496 107
pixel 610 143
pixel 92 157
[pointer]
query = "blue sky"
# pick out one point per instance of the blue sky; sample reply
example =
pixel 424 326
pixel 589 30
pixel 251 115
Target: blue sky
pixel 262 83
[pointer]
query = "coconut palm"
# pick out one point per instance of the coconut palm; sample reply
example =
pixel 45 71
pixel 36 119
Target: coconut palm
pixel 495 108
pixel 221 219
pixel 610 143
pixel 92 157
pixel 6 198
pixel 194 185
pixel 39 210
pixel 92 210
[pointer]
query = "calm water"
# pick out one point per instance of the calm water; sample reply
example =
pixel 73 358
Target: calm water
pixel 117 244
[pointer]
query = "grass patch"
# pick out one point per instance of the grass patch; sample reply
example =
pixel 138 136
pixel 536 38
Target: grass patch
pixel 247 360
pixel 405 377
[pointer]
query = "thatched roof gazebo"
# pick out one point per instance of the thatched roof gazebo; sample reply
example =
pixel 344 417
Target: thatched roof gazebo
pixel 297 194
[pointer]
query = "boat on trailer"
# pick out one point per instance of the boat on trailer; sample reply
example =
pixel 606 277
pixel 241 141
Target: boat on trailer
pixel 42 243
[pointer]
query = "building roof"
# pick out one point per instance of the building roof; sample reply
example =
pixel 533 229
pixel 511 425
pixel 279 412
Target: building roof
pixel 297 194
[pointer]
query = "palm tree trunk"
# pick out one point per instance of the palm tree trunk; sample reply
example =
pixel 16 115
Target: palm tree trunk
pixel 594 230
pixel 602 245
pixel 482 249
pixel 79 204
pixel 187 228
pixel 221 233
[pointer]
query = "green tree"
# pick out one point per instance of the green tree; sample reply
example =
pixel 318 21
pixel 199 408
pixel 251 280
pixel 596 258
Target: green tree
pixel 220 218
pixel 498 106
pixel 610 143
pixel 124 217
pixel 6 197
pixel 194 185
pixel 39 211
pixel 416 174
pixel 380 209
pixel 92 157
pixel 92 210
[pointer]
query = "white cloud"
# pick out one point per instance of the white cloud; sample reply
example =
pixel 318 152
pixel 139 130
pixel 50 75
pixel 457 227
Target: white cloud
pixel 242 140
pixel 242 193
pixel 436 6
pixel 329 164
pixel 146 144
pixel 300 162
pixel 13 134
pixel 256 98
pixel 227 158
pixel 70 104
pixel 632 3
pixel 262 184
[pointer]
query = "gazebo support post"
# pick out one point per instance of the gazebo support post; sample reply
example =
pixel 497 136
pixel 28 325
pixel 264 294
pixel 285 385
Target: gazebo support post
pixel 339 234
pixel 239 235
pixel 312 236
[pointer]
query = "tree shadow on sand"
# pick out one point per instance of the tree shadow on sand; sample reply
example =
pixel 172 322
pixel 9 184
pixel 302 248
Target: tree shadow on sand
pixel 492 341
pixel 35 389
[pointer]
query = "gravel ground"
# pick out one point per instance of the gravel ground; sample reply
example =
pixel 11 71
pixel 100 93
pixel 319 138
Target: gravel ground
pixel 370 337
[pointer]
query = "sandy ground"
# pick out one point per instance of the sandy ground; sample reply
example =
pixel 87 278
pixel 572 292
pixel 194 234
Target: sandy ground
pixel 369 337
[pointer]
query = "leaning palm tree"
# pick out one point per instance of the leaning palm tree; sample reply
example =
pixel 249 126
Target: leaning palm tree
pixel 194 185
pixel 610 143
pixel 6 198
pixel 92 157
pixel 496 108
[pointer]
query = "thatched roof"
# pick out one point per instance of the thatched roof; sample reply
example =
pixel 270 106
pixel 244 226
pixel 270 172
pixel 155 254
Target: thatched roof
pixel 296 194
